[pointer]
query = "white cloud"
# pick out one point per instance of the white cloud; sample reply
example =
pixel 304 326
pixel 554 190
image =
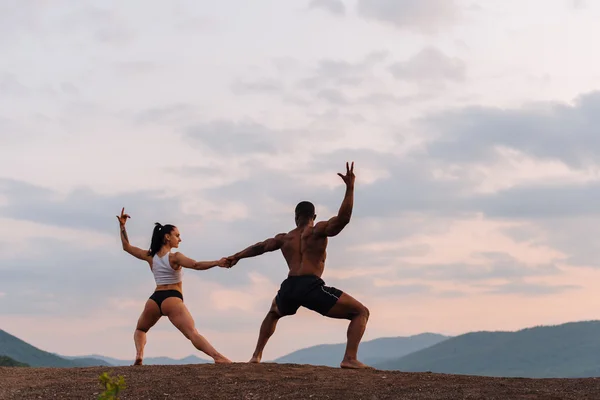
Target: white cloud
pixel 426 16
pixel 335 7
pixel 429 66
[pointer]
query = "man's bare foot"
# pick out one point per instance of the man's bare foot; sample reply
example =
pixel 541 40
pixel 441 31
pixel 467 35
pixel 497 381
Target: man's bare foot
pixel 354 364
pixel 138 361
pixel 222 360
pixel 254 360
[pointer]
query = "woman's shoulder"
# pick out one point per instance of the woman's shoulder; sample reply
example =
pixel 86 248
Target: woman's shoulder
pixel 175 256
pixel 174 259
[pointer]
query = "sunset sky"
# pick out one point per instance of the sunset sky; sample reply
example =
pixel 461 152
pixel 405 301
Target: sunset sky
pixel 472 125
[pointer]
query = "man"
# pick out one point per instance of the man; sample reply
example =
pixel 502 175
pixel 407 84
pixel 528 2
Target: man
pixel 304 250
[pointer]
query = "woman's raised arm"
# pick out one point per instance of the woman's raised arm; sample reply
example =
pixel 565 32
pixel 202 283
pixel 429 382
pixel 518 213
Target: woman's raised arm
pixel 134 251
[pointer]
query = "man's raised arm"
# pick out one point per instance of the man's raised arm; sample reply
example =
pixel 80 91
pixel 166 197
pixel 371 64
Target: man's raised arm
pixel 336 224
pixel 259 248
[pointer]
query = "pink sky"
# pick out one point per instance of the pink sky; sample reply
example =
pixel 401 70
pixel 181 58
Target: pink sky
pixel 471 129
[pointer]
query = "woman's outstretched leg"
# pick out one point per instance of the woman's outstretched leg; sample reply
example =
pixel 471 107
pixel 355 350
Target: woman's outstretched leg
pixel 178 314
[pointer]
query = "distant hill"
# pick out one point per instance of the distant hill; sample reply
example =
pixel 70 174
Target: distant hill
pixel 567 351
pixel 23 352
pixel 18 350
pixel 9 362
pixel 369 352
pixel 88 361
pixel 147 361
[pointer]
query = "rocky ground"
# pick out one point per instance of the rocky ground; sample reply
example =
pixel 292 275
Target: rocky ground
pixel 280 381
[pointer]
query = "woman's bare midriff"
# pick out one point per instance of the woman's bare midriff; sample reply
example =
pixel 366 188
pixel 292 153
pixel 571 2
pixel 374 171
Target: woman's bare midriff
pixel 171 286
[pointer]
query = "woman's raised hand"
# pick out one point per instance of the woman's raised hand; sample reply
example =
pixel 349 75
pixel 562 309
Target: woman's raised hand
pixel 123 218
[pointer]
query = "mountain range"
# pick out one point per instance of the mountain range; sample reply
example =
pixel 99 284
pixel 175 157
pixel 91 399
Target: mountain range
pixel 568 350
pixel 369 352
pixel 15 348
pixel 147 360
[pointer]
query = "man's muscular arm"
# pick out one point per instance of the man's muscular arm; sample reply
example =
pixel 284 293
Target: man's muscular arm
pixel 259 248
pixel 336 224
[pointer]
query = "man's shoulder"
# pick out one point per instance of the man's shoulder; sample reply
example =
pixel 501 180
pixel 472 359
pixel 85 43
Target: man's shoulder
pixel 289 235
pixel 285 235
pixel 320 226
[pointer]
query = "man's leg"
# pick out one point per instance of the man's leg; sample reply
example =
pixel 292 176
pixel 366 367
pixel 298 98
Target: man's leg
pixel 267 328
pixel 348 307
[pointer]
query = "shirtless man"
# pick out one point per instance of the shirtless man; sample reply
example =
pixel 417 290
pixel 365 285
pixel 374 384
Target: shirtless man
pixel 304 249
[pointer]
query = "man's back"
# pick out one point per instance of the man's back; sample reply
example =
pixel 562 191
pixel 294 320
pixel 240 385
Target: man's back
pixel 304 252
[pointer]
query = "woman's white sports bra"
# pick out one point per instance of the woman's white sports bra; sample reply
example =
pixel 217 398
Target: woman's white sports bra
pixel 164 274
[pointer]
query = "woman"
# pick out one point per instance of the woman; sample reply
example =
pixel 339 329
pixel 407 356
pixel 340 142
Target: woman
pixel 167 299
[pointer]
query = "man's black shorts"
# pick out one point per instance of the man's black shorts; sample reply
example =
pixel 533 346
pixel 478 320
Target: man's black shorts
pixel 307 291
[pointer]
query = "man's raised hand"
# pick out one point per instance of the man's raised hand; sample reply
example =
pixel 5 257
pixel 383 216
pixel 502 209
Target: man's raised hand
pixel 349 177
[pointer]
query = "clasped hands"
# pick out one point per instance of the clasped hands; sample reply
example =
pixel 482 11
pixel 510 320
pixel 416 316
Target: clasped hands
pixel 227 262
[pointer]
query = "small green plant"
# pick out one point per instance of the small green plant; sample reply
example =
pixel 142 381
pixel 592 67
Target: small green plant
pixel 112 386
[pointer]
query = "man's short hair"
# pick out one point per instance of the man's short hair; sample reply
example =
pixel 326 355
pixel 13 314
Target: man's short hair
pixel 305 209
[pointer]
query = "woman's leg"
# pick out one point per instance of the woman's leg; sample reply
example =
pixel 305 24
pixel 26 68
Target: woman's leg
pixel 178 314
pixel 147 320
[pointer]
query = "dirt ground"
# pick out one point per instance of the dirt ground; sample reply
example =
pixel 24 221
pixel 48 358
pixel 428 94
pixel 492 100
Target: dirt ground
pixel 280 381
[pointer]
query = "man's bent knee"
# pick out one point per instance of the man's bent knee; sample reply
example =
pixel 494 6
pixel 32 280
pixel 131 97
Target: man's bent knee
pixel 365 312
pixel 361 311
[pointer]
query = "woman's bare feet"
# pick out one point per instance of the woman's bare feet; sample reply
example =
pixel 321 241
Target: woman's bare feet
pixel 138 361
pixel 354 364
pixel 222 360
pixel 254 360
